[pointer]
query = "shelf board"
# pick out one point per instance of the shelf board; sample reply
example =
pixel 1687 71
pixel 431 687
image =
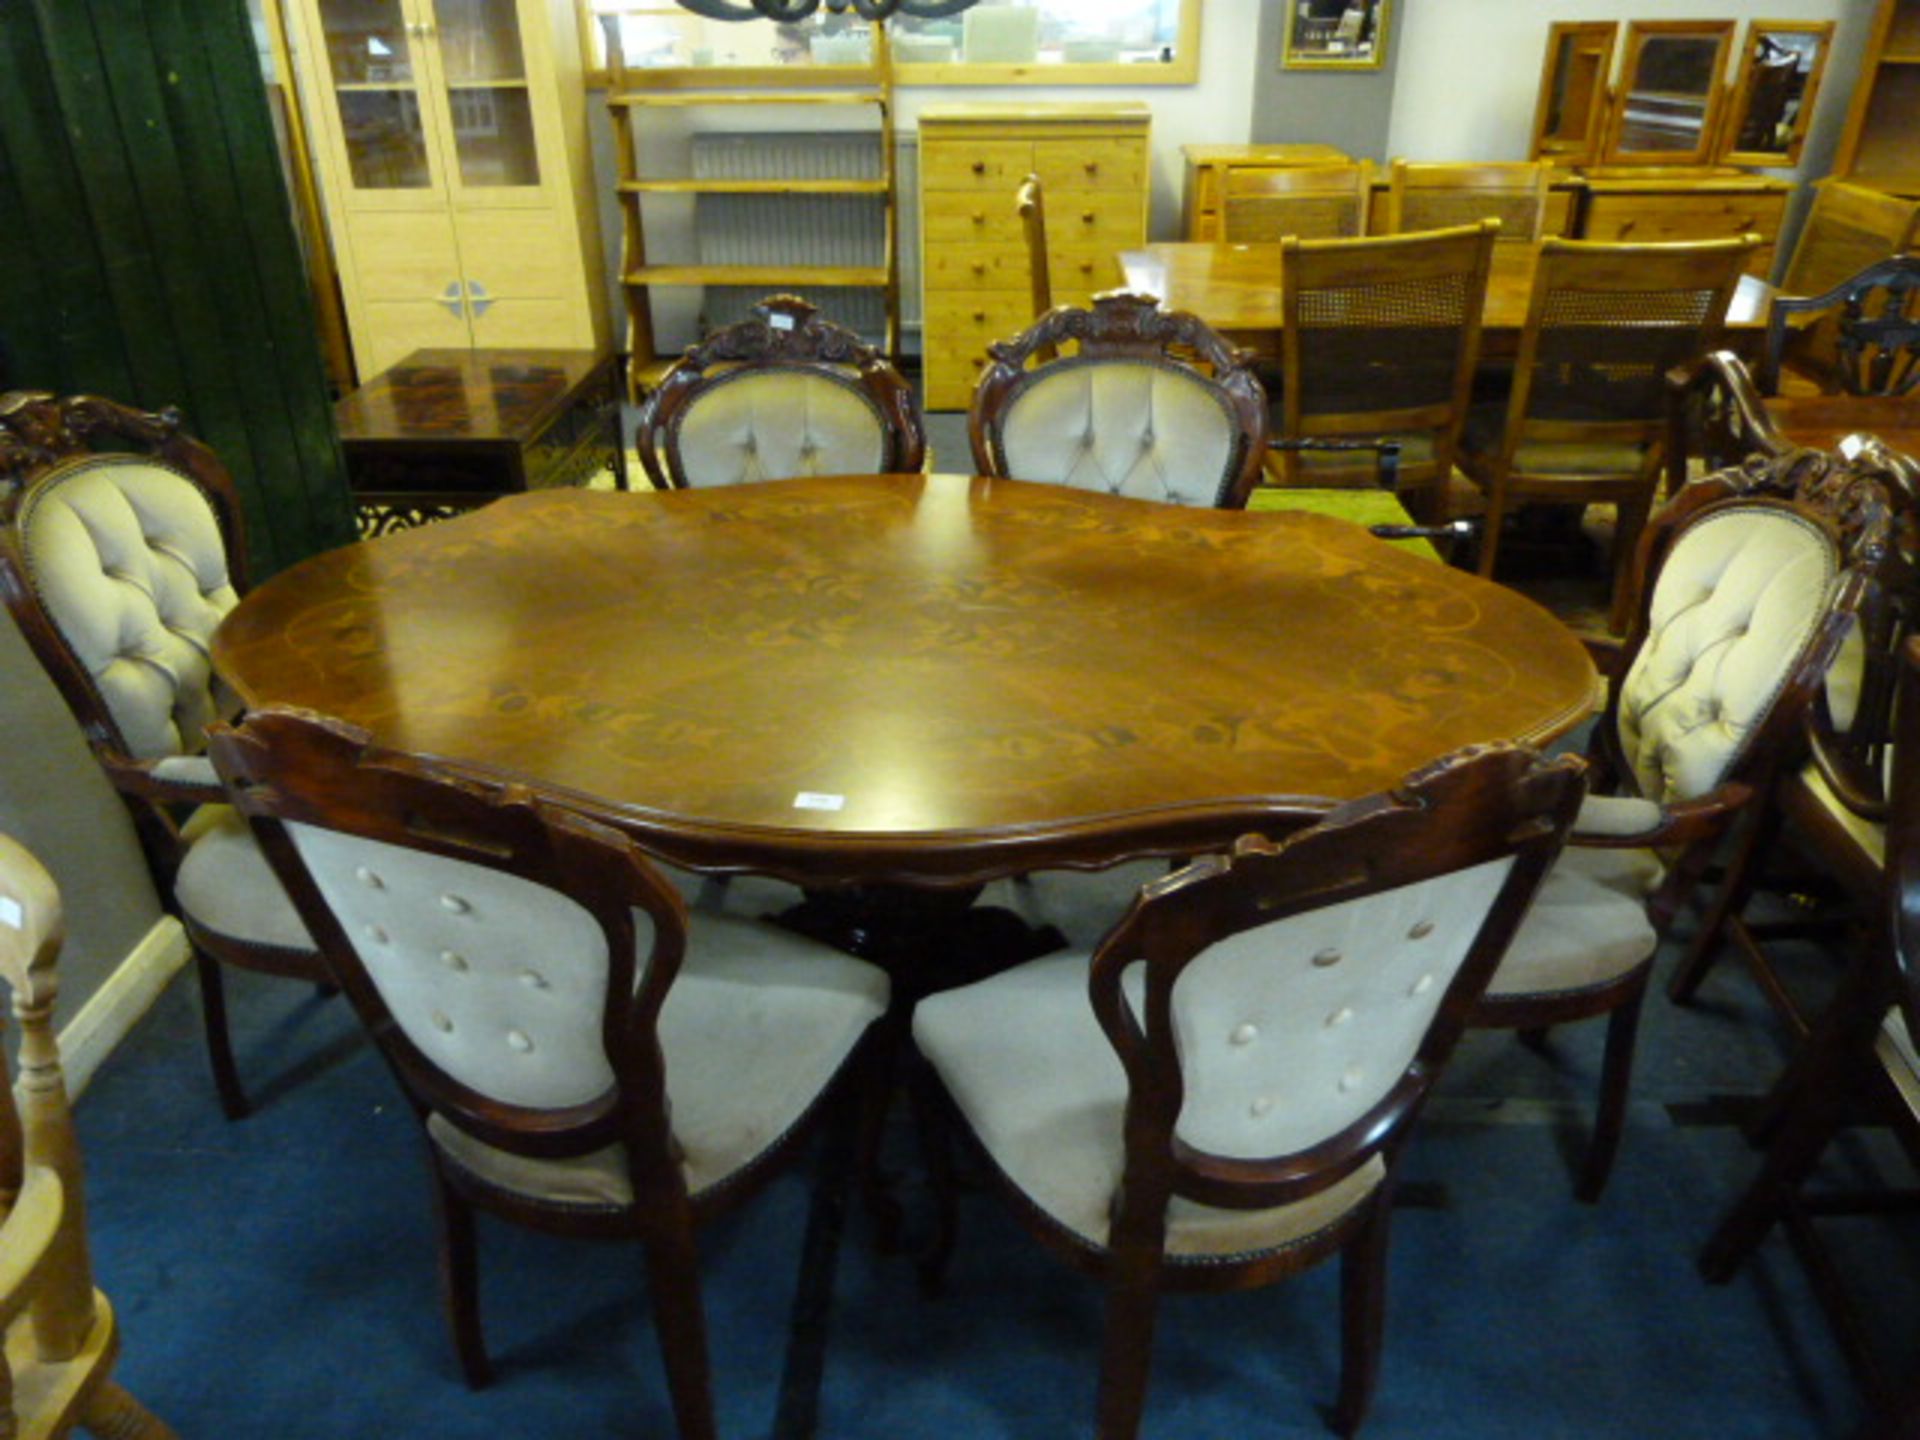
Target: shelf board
pixel 375 87
pixel 757 275
pixel 753 187
pixel 684 99
pixel 494 84
pixel 1911 58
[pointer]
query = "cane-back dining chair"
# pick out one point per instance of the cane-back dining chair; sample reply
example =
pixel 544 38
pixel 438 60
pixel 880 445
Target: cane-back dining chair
pixel 584 1058
pixel 1433 196
pixel 1860 1062
pixel 1587 412
pixel 1030 202
pixel 1753 580
pixel 1216 1096
pixel 1317 202
pixel 1874 347
pixel 1152 405
pixel 59 1337
pixel 1380 340
pixel 780 395
pixel 118 564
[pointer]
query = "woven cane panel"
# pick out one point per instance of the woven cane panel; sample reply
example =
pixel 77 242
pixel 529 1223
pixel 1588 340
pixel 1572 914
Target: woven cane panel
pixel 1266 218
pixel 1604 354
pixel 1438 209
pixel 1389 345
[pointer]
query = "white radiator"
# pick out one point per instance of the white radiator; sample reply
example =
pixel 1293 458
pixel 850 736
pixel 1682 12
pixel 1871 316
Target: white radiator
pixel 805 229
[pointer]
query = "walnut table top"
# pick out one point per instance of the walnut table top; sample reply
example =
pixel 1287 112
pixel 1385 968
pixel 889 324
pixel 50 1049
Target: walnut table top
pixel 927 679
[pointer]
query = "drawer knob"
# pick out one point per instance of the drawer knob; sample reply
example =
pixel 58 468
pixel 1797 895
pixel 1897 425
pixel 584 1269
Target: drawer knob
pixel 979 167
pixel 1086 267
pixel 979 218
pixel 1086 217
pixel 1093 167
pixel 979 267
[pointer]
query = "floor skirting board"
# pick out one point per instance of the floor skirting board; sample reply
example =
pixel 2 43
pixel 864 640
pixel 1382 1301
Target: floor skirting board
pixel 116 1007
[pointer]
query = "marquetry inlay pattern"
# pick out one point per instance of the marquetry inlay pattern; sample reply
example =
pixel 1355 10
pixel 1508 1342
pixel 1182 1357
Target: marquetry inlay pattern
pixel 899 677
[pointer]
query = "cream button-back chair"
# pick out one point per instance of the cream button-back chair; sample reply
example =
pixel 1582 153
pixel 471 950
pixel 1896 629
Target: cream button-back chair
pixel 118 565
pixel 1127 413
pixel 1752 580
pixel 1216 1096
pixel 585 1058
pixel 60 1336
pixel 780 395
pixel 1860 1063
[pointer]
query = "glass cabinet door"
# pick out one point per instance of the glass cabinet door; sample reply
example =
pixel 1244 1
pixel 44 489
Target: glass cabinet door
pixel 491 109
pixel 371 66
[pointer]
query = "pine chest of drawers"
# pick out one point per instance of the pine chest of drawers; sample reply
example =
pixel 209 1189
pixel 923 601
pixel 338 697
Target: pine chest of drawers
pixel 1093 163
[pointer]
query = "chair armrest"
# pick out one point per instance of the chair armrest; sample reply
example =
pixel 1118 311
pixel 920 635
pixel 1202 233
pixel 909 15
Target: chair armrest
pixel 172 779
pixel 1612 822
pixel 1605 652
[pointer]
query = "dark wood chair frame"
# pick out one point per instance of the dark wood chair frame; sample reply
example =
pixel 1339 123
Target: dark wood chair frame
pixel 293 766
pixel 1473 807
pixel 1124 326
pixel 784 333
pixel 1849 502
pixel 1876 346
pixel 1836 1079
pixel 1716 410
pixel 38 433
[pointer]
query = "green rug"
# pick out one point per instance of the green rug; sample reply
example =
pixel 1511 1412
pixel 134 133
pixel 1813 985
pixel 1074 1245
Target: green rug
pixel 1361 507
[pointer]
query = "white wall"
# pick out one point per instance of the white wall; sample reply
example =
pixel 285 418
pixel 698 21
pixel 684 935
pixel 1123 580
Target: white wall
pixel 1471 68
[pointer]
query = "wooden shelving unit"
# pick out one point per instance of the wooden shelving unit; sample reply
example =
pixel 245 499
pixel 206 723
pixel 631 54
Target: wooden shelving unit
pixel 1881 147
pixel 633 93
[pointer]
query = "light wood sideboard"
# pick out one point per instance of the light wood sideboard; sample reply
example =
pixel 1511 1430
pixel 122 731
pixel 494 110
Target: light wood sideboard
pixel 1093 162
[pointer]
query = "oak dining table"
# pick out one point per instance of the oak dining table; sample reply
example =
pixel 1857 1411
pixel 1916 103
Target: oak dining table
pixel 1236 289
pixel 926 680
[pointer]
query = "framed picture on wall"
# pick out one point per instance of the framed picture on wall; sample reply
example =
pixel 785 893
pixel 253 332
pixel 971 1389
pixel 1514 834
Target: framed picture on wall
pixel 1334 35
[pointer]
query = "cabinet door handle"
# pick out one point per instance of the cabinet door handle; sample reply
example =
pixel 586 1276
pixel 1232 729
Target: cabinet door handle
pixel 450 297
pixel 477 293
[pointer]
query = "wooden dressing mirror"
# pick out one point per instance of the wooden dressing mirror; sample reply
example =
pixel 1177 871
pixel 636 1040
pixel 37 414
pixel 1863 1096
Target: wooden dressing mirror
pixel 1670 101
pixel 1572 111
pixel 1780 72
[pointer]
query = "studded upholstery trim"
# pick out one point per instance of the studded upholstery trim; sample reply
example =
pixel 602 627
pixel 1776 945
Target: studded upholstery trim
pixel 1140 429
pixel 127 557
pixel 1739 597
pixel 773 424
pixel 500 982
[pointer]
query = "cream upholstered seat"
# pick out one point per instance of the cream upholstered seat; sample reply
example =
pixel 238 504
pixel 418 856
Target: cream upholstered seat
pixel 1216 1095
pixel 1755 578
pixel 59 1336
pixel 585 1058
pixel 781 395
pixel 1125 414
pixel 119 566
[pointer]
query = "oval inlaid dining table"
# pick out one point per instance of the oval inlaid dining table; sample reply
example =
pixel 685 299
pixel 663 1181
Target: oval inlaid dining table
pixel 930 680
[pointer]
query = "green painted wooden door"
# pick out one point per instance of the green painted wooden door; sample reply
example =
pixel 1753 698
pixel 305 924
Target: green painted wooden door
pixel 147 250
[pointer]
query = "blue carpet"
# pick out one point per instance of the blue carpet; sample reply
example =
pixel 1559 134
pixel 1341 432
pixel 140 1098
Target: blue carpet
pixel 275 1277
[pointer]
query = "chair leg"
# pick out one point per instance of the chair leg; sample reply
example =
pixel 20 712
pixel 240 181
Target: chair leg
pixel 213 1013
pixel 878 1079
pixel 1727 907
pixel 1363 1311
pixel 110 1413
pixel 460 1282
pixel 1616 1077
pixel 935 1134
pixel 1490 527
pixel 1127 1350
pixel 673 1280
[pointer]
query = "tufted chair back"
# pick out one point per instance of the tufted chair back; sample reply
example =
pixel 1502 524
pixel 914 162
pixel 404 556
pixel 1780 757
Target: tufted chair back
pixel 509 957
pixel 1127 414
pixel 1755 582
pixel 128 562
pixel 1282 1011
pixel 781 395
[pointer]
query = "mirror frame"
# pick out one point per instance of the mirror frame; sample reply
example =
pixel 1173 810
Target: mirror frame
pixel 1607 34
pixel 1639 32
pixel 1742 94
pixel 1292 57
